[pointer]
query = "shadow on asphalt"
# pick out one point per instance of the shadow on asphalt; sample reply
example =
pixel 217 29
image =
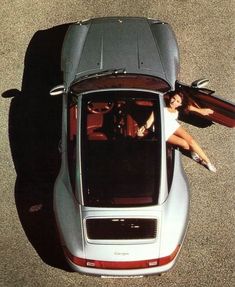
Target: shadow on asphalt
pixel 34 133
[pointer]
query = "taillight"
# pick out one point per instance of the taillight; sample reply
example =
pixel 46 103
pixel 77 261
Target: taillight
pixel 122 264
pixel 168 259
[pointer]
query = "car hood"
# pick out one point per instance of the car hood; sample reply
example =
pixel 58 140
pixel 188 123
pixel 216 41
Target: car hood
pixel 120 45
pixel 133 44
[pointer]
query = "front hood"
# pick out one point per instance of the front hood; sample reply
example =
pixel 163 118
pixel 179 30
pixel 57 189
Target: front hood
pixel 120 44
pixel 135 44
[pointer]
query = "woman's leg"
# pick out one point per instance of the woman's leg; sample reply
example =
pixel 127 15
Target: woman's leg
pixel 178 141
pixel 193 145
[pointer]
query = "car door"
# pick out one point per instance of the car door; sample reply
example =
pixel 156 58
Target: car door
pixel 224 111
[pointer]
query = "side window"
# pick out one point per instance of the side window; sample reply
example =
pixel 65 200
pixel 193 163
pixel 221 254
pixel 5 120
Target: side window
pixel 72 136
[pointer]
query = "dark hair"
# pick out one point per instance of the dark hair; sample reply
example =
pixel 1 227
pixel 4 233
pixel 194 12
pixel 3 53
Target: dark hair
pixel 168 96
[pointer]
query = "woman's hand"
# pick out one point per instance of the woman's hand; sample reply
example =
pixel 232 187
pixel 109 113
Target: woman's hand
pixel 140 131
pixel 201 111
pixel 206 112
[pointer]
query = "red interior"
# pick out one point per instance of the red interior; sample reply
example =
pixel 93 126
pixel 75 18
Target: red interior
pixel 95 122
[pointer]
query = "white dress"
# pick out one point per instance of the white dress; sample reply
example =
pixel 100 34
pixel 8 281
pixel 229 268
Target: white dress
pixel 170 122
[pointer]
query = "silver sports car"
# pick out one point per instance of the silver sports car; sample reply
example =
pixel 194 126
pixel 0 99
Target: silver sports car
pixel 121 202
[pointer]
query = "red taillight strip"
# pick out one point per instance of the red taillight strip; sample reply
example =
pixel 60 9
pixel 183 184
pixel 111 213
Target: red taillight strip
pixel 168 259
pixel 122 264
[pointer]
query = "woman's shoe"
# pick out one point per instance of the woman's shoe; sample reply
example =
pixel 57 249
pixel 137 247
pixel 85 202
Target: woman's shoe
pixel 195 156
pixel 210 166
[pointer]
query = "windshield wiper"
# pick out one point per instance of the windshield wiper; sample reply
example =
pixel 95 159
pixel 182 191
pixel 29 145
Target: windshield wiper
pixel 103 73
pixel 74 96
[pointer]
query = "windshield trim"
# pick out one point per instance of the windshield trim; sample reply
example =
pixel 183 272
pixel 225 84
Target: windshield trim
pixel 119 81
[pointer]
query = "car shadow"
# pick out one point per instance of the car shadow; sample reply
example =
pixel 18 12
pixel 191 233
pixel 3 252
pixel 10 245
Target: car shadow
pixel 34 133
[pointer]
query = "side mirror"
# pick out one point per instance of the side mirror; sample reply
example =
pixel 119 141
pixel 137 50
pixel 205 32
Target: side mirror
pixel 58 90
pixel 200 83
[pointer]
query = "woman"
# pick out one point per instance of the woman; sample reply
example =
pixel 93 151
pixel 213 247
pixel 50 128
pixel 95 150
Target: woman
pixel 177 135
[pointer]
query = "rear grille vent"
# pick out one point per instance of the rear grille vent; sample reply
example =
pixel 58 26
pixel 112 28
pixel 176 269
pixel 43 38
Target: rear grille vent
pixel 121 228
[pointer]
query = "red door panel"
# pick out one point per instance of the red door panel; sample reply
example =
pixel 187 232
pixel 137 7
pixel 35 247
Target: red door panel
pixel 224 111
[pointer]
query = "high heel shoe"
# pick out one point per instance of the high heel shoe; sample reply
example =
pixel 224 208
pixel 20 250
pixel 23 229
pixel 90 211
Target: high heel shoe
pixel 210 166
pixel 195 157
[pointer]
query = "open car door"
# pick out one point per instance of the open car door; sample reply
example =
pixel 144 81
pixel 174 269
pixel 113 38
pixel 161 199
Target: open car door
pixel 224 111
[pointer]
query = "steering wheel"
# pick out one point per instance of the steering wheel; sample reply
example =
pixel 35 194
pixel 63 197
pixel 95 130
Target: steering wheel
pixel 100 107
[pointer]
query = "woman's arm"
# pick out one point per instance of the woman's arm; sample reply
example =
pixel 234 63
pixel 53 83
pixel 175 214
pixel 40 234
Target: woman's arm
pixel 148 124
pixel 149 121
pixel 201 111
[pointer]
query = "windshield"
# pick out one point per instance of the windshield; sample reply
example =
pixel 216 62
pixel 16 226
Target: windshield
pixel 120 168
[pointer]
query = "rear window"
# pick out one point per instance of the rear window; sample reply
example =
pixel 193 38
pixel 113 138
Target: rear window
pixel 121 228
pixel 120 168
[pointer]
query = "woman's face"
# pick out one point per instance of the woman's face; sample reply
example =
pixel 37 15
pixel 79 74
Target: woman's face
pixel 175 101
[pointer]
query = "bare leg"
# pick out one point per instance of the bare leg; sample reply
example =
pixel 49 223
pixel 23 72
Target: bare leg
pixel 175 140
pixel 181 133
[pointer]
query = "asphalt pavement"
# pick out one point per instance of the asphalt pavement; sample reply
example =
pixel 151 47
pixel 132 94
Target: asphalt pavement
pixel 29 133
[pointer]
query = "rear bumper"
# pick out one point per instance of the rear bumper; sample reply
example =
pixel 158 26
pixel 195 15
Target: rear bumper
pixel 123 272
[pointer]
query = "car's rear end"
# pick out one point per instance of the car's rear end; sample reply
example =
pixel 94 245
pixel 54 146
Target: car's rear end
pixel 124 223
pixel 123 214
pixel 122 243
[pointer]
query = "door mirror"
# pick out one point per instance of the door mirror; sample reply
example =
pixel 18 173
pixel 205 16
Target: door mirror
pixel 11 93
pixel 58 90
pixel 199 83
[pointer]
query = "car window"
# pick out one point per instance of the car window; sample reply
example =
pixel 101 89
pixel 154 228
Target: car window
pixel 119 167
